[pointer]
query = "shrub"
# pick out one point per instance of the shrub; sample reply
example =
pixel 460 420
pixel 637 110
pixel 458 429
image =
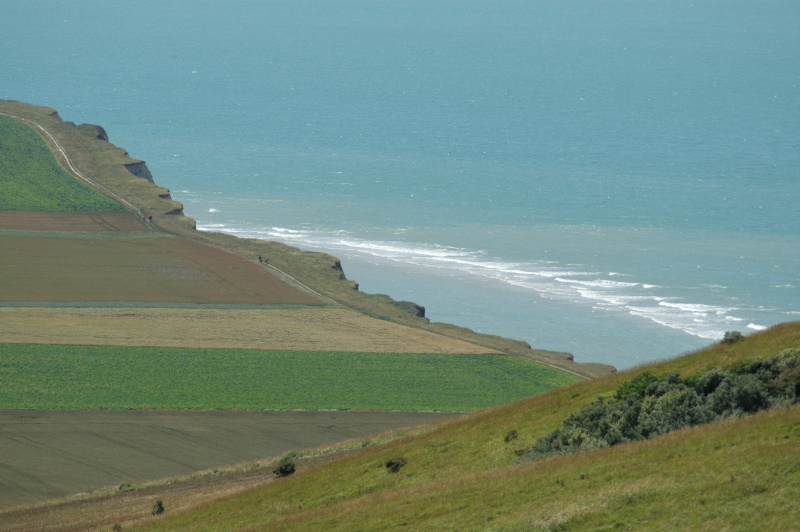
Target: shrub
pixel 511 436
pixel 708 382
pixel 731 337
pixel 284 469
pixel 158 507
pixel 749 394
pixel 674 410
pixel 638 385
pixel 651 404
pixel 395 464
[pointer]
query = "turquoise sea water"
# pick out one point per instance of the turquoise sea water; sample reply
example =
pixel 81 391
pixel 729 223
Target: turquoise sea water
pixel 615 179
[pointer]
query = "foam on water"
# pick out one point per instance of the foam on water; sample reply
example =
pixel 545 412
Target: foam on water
pixel 545 279
pixel 586 195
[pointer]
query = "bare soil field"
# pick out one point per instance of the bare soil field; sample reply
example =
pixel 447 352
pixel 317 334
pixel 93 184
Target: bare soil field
pixel 94 222
pixel 126 268
pixel 55 454
pixel 301 329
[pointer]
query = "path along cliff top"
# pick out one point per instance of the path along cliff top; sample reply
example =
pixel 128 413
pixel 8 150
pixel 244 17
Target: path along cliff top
pixel 152 239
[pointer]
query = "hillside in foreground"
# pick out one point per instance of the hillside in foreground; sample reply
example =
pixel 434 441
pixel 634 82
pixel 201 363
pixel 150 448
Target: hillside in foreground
pixel 742 473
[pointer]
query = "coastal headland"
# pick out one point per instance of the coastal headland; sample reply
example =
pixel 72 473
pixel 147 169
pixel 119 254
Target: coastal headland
pixel 136 273
pixel 156 248
pixel 156 377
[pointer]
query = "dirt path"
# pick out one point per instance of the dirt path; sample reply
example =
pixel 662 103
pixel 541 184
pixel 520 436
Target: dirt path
pixel 63 153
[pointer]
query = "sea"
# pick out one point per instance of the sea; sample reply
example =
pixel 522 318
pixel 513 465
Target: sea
pixel 616 179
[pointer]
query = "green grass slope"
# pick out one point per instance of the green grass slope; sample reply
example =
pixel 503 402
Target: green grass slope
pixel 66 377
pixel 31 179
pixel 739 474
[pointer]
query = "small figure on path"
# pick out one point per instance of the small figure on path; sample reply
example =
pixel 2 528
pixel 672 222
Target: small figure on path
pixel 259 258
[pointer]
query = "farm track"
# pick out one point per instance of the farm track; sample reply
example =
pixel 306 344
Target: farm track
pixel 62 155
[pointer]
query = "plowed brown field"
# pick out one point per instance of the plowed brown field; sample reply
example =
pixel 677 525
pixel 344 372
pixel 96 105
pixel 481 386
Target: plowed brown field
pixel 56 454
pixel 323 329
pixel 124 267
pixel 95 221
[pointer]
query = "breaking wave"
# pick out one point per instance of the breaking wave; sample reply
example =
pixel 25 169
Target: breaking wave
pixel 602 291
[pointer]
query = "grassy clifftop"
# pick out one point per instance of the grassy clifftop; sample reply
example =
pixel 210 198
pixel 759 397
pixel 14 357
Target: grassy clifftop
pixel 31 179
pixel 110 167
pixel 97 159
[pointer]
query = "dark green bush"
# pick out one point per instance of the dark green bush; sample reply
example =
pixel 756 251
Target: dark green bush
pixel 395 464
pixel 158 507
pixel 284 469
pixel 638 385
pixel 732 337
pixel 651 404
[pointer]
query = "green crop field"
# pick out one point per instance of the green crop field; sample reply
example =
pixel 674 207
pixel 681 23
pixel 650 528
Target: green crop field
pixel 89 377
pixel 31 179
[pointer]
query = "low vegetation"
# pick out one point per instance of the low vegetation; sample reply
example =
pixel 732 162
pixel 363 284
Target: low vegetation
pixel 31 179
pixel 652 404
pixel 741 473
pixel 89 377
pixel 463 474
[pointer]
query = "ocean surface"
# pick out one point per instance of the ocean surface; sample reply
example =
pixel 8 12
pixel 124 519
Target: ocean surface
pixel 615 179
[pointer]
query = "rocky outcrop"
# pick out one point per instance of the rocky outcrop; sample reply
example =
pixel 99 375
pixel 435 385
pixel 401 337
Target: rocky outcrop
pixel 139 169
pixel 178 211
pixel 337 266
pixel 411 308
pixel 94 131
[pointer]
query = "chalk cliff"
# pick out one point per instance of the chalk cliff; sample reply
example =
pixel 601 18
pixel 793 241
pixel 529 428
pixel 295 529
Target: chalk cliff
pixel 139 169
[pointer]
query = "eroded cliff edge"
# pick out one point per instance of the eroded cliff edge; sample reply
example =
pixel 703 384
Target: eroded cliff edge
pixel 112 167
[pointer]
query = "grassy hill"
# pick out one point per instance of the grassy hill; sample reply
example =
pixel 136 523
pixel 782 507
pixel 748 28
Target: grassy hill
pixel 465 474
pixel 31 179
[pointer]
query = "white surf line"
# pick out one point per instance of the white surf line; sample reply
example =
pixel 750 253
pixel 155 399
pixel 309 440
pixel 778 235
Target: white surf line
pixel 72 168
pixel 132 207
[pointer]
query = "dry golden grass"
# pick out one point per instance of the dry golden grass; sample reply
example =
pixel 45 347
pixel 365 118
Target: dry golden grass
pixel 323 329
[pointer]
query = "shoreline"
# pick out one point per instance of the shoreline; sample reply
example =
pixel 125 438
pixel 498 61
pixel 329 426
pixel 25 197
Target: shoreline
pixel 321 273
